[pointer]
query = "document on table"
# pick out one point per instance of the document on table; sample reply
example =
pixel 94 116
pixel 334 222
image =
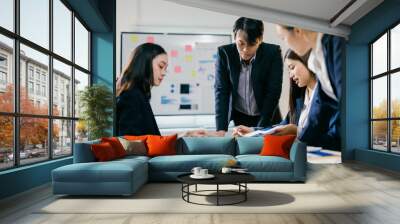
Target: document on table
pixel 260 133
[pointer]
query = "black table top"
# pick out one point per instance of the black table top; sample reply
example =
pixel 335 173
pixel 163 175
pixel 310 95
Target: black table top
pixel 220 178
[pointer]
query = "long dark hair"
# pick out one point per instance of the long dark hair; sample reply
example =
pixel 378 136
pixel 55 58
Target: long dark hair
pixel 295 91
pixel 139 69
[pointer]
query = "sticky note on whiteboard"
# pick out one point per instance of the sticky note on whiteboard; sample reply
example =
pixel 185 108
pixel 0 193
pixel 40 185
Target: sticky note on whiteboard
pixel 134 39
pixel 188 48
pixel 174 53
pixel 178 69
pixel 188 58
pixel 150 39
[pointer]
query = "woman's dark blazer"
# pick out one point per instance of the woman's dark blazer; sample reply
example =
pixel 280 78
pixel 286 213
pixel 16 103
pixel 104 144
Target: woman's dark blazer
pixel 322 128
pixel 134 114
pixel 334 50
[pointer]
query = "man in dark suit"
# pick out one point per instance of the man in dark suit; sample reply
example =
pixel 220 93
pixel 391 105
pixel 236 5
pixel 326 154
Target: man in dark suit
pixel 248 78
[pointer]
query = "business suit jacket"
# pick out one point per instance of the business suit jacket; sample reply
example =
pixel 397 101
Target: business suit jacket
pixel 266 78
pixel 333 48
pixel 322 128
pixel 134 114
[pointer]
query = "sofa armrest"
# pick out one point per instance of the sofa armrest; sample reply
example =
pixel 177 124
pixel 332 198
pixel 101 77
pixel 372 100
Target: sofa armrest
pixel 298 155
pixel 83 152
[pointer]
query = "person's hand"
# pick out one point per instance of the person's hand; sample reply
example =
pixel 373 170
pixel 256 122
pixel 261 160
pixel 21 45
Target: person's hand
pixel 214 134
pixel 220 133
pixel 241 130
pixel 195 133
pixel 289 129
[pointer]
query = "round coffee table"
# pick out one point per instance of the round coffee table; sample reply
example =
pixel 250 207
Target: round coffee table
pixel 238 179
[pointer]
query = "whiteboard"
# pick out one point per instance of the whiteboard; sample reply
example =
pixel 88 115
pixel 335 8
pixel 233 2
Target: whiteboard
pixel 188 88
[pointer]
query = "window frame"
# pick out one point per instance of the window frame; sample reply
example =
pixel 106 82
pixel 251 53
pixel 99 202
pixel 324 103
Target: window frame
pixel 3 74
pixel 388 74
pixel 15 72
pixel 3 69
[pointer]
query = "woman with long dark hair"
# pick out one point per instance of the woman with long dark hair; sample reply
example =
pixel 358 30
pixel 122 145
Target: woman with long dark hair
pixel 145 69
pixel 306 101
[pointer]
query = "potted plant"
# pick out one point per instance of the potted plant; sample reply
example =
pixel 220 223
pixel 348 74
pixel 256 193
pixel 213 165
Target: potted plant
pixel 96 103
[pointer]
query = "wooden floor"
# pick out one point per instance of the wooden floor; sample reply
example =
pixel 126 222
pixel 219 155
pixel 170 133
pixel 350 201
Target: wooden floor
pixel 378 188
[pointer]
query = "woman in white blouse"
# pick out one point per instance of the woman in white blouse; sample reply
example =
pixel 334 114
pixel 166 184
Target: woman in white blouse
pixel 311 112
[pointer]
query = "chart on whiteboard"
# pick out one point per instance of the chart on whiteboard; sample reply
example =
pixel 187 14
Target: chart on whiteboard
pixel 188 87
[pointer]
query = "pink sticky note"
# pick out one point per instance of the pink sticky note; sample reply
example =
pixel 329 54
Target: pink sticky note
pixel 178 69
pixel 188 48
pixel 174 53
pixel 150 39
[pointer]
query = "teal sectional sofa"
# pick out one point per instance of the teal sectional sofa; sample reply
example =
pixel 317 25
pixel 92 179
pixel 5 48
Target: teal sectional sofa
pixel 125 176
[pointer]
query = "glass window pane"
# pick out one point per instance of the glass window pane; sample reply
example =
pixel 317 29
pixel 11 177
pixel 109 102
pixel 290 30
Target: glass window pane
pixel 395 47
pixel 62 138
pixel 33 140
pixel 35 21
pixel 7 14
pixel 379 135
pixel 62 89
pixel 6 74
pixel 34 97
pixel 81 45
pixel 395 95
pixel 379 98
pixel 379 55
pixel 62 29
pixel 395 136
pixel 6 142
pixel 81 81
pixel 81 131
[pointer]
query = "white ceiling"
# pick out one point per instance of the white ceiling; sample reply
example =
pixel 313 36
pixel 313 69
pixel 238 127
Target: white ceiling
pixel 320 9
pixel 318 15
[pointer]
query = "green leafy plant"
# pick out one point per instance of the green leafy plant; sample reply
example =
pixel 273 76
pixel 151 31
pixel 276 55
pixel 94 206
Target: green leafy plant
pixel 96 103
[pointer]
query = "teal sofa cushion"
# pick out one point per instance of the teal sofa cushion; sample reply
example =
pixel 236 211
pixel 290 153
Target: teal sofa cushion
pixel 130 159
pixel 249 145
pixel 298 155
pixel 118 177
pixel 206 145
pixel 185 163
pixel 83 152
pixel 257 163
pixel 115 171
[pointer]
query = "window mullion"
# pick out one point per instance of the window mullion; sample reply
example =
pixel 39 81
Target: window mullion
pixel 371 89
pixel 389 106
pixel 16 70
pixel 50 81
pixel 73 83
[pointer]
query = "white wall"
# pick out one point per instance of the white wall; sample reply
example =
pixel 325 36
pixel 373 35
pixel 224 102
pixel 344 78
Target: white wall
pixel 163 16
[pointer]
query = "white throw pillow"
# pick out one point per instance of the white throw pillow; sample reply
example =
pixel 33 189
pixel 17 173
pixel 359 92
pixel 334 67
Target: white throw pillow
pixel 136 147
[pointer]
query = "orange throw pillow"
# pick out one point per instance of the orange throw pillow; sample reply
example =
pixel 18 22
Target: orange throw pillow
pixel 135 138
pixel 116 145
pixel 103 152
pixel 161 145
pixel 275 145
